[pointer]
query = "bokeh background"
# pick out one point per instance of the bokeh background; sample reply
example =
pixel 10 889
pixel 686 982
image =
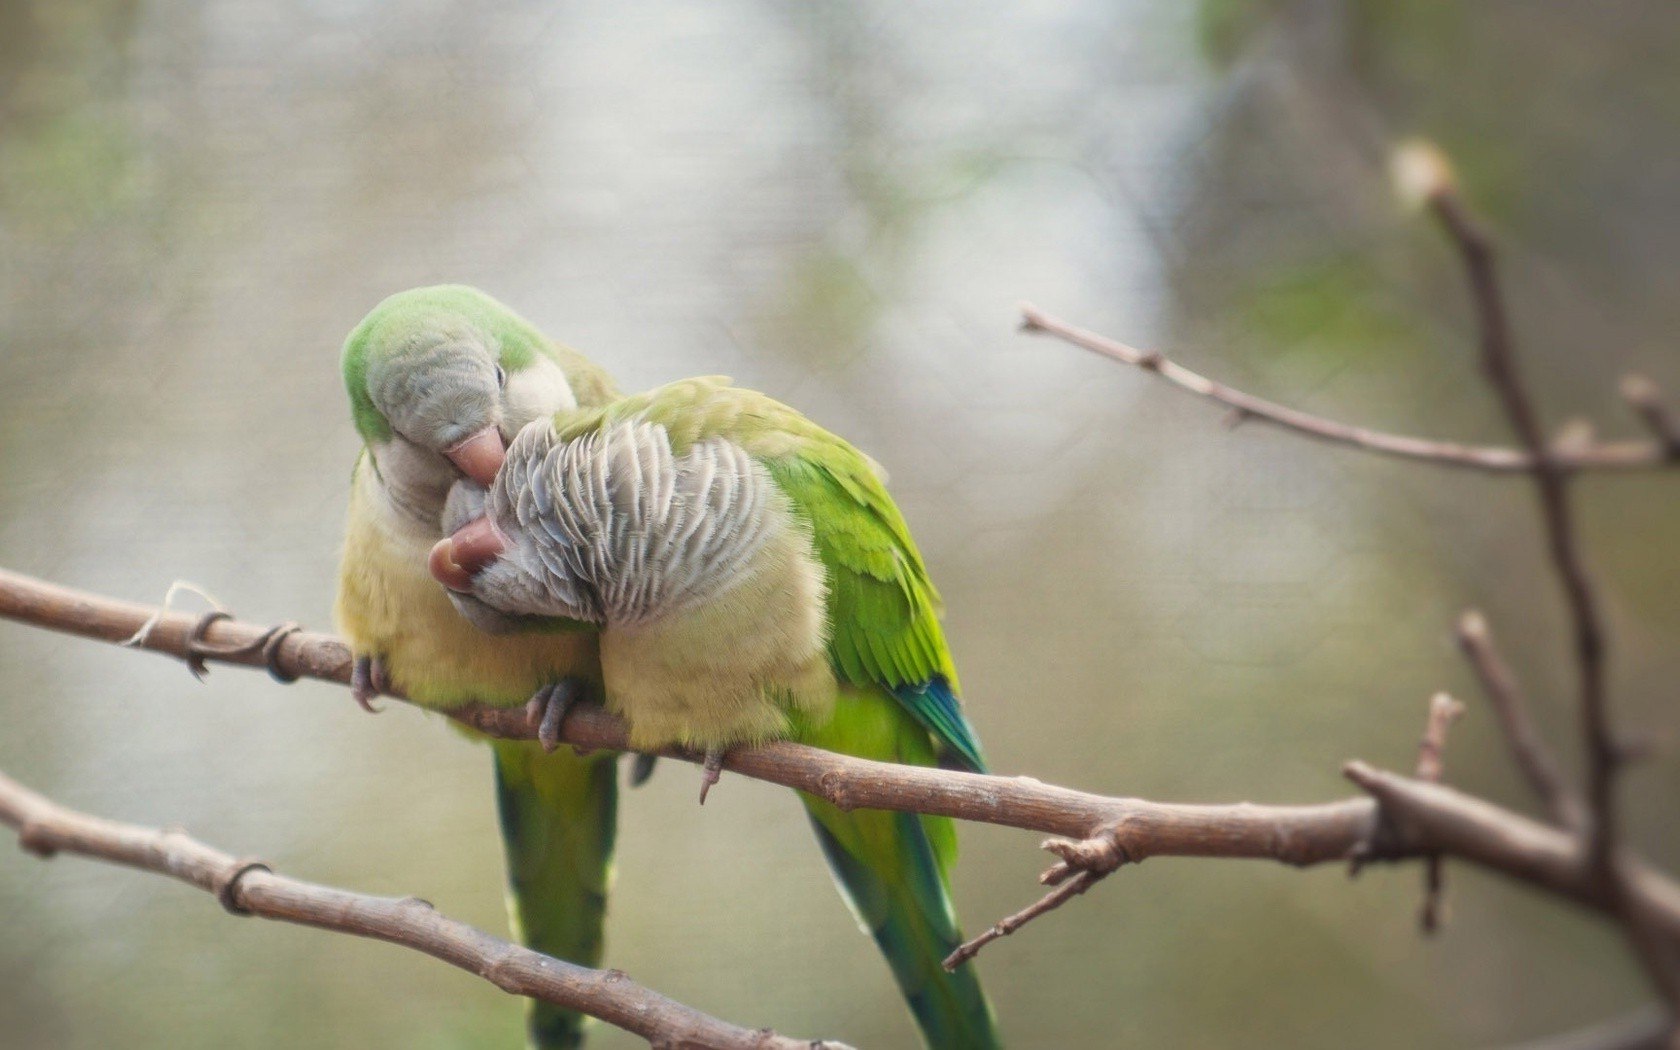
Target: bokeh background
pixel 840 204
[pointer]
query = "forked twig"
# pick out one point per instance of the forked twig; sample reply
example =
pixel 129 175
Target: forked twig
pixel 1083 864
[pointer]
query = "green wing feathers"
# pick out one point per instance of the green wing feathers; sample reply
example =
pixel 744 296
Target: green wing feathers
pixel 893 868
pixel 883 608
pixel 559 819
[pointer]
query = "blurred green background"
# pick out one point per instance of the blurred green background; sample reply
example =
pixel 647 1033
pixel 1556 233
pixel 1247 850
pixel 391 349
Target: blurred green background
pixel 839 204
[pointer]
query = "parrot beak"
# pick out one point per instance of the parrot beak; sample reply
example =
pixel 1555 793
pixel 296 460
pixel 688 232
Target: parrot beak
pixel 479 456
pixel 456 560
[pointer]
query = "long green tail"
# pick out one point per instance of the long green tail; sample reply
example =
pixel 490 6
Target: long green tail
pixel 893 868
pixel 559 820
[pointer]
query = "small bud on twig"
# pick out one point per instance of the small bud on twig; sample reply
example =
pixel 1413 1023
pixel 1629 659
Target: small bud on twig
pixel 1422 174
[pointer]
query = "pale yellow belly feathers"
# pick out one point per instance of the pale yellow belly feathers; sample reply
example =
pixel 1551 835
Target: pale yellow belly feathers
pixel 389 606
pixel 734 670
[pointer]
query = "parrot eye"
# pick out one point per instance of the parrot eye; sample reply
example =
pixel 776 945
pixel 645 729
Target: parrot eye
pixel 501 376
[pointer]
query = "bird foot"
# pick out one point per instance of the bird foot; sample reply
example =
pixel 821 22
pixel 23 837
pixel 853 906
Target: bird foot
pixel 711 770
pixel 369 678
pixel 641 768
pixel 548 707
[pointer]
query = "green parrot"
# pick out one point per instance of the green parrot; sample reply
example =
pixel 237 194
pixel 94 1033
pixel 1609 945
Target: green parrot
pixel 752 580
pixel 439 378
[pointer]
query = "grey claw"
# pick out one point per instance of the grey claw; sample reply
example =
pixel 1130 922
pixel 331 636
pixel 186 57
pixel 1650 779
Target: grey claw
pixel 367 680
pixel 711 771
pixel 548 709
pixel 537 706
pixel 641 768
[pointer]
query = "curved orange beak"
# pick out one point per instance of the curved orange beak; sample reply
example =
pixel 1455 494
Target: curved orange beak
pixel 454 561
pixel 479 456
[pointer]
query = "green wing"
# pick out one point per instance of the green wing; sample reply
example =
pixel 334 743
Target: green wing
pixel 893 869
pixel 883 608
pixel 898 704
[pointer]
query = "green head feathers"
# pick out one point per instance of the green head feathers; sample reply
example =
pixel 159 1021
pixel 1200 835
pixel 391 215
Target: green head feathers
pixel 436 364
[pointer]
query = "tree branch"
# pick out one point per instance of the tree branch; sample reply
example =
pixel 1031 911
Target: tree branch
pixel 1551 480
pixel 1528 748
pixel 246 887
pixel 1619 455
pixel 1605 755
pixel 1437 819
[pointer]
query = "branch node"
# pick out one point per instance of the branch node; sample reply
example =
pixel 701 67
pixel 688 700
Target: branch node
pixel 1084 863
pixel 34 838
pixel 835 786
pixel 1386 839
pixel 228 892
pixel 1100 853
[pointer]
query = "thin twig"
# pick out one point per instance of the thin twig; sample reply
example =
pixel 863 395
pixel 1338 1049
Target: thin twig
pixel 246 887
pixel 1619 455
pixel 1442 820
pixel 1083 864
pixel 1431 766
pixel 1528 748
pixel 1647 400
pixel 1443 712
pixel 1010 923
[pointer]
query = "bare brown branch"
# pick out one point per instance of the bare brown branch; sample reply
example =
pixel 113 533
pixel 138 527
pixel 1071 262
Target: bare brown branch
pixel 1460 825
pixel 1528 748
pixel 247 887
pixel 1438 820
pixel 1620 455
pixel 1551 476
pixel 1551 479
